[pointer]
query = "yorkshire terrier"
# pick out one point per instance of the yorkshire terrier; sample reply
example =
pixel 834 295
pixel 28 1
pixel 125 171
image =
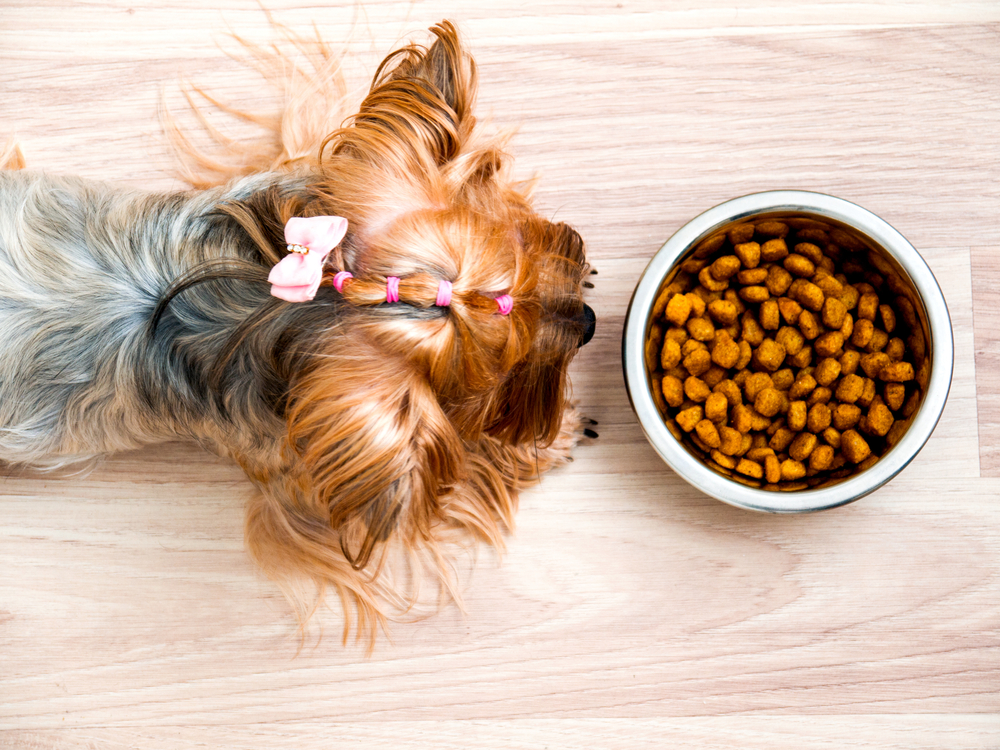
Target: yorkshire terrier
pixel 379 336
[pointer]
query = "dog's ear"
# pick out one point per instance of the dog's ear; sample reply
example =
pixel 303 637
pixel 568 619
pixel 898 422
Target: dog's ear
pixel 374 448
pixel 420 104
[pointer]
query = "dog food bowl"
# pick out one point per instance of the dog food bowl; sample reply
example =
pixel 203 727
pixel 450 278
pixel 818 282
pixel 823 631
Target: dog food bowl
pixel 863 232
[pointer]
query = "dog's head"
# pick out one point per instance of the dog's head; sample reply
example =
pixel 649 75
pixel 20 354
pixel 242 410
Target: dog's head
pixel 393 398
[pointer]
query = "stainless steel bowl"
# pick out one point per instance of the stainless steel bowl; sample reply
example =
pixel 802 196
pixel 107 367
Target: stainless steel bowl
pixel 879 237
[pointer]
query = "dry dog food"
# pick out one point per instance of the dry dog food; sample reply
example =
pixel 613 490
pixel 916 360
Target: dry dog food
pixel 787 354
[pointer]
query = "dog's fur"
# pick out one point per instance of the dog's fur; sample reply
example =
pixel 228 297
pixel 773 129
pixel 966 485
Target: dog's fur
pixel 129 318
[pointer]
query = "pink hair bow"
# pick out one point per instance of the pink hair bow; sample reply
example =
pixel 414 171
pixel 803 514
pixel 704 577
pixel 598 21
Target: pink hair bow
pixel 297 276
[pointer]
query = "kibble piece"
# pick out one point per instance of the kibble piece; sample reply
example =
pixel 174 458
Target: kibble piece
pixel 845 416
pixel 772 250
pixel 770 318
pixel 714 375
pixel 755 383
pixel 673 390
pixel 691 345
pixel 709 282
pixel 829 284
pixel 879 419
pixel 725 352
pixel 729 389
pixel 895 349
pixel 688 418
pixel 748 253
pixel 754 294
pixel 772 228
pixel 768 402
pixel 791 339
pixel 868 393
pixel 896 432
pixel 741 233
pixel 834 312
pixel 802 446
pixel 716 407
pixel 723 460
pixel 850 388
pixel 829 344
pixel 723 311
pixel 810 251
pixel 731 440
pixel 803 358
pixel 701 329
pixel 820 395
pixel 872 364
pixel 778 280
pixel 888 318
pixel 912 404
pixel 708 433
pixel 753 334
pixel 698 304
pixel 832 437
pixel 819 418
pixel 772 469
pixel 868 306
pixel 781 439
pixel 809 295
pixel 821 458
pixel 879 339
pixel 792 470
pixel 696 389
pixel 725 267
pixel 741 418
pixel 864 329
pixel 849 362
pixel 849 296
pixel 697 362
pixel 853 447
pixel 769 355
pixel 799 265
pixel 680 335
pixel 798 412
pixel 809 326
pixel 783 379
pixel 790 310
pixel 827 371
pixel 803 386
pixel 751 276
pixel 678 309
pixel 670 355
pixel 897 372
pixel 894 394
pixel 750 468
pixel 847 327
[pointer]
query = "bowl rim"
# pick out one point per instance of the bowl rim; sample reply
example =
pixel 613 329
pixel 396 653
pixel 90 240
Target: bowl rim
pixel 821 206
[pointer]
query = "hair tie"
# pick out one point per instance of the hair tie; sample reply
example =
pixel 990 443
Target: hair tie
pixel 340 278
pixel 444 293
pixel 506 303
pixel 392 289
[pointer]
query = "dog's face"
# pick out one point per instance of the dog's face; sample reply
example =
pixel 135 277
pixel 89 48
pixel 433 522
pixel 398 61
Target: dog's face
pixel 402 412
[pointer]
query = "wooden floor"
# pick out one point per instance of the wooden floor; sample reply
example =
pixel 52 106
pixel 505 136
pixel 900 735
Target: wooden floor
pixel 630 610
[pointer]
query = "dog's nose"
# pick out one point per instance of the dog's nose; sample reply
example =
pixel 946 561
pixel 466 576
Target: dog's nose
pixel 590 323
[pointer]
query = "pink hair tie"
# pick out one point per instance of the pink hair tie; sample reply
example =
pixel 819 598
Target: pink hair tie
pixel 392 289
pixel 444 294
pixel 340 278
pixel 506 303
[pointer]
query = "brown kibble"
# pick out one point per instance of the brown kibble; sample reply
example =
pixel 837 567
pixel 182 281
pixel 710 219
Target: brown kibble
pixel 792 470
pixel 741 418
pixel 723 311
pixel 725 352
pixel 912 404
pixel 803 358
pixel 832 437
pixel 708 433
pixel 845 416
pixel 731 391
pixel 834 312
pixel 750 468
pixel 850 389
pixel 713 375
pixel 673 390
pixel 769 355
pixel 849 362
pixel 772 228
pixel 783 379
pixel 731 440
pixel 853 447
pixel 754 294
pixel 896 432
pixel 722 459
pixel 768 402
pixel 745 354
pixel 829 344
pixel 678 309
pixel 778 280
pixel 809 295
pixel 751 276
pixel 888 318
pixel 821 458
pixel 827 371
pixel 688 418
pixel 753 334
pixel 879 419
pixel 810 251
pixel 872 364
pixel 691 345
pixel 696 389
pixel 879 340
pixel 864 329
pixel 781 439
pixel 799 265
pixel 802 446
pixel 802 387
pixel 897 372
pixel 698 362
pixel 895 349
pixel 725 267
pixel 770 318
pixel 701 329
pixel 698 303
pixel 709 282
pixel 741 233
pixel 809 326
pixel 748 253
pixel 819 418
pixel 847 327
pixel 798 412
pixel 755 383
pixel 894 395
pixel 868 306
pixel 820 395
pixel 829 284
pixel 773 250
pixel 772 469
pixel 790 310
pixel 670 356
pixel 868 392
pixel 680 335
pixel 791 339
pixel 716 407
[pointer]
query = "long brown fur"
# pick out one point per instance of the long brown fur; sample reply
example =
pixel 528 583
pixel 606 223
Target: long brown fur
pixel 369 429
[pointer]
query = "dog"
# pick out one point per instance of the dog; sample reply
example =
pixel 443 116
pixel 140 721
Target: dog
pixel 378 335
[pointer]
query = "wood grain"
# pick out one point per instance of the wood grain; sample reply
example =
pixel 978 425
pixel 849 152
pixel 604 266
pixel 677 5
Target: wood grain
pixel 629 609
